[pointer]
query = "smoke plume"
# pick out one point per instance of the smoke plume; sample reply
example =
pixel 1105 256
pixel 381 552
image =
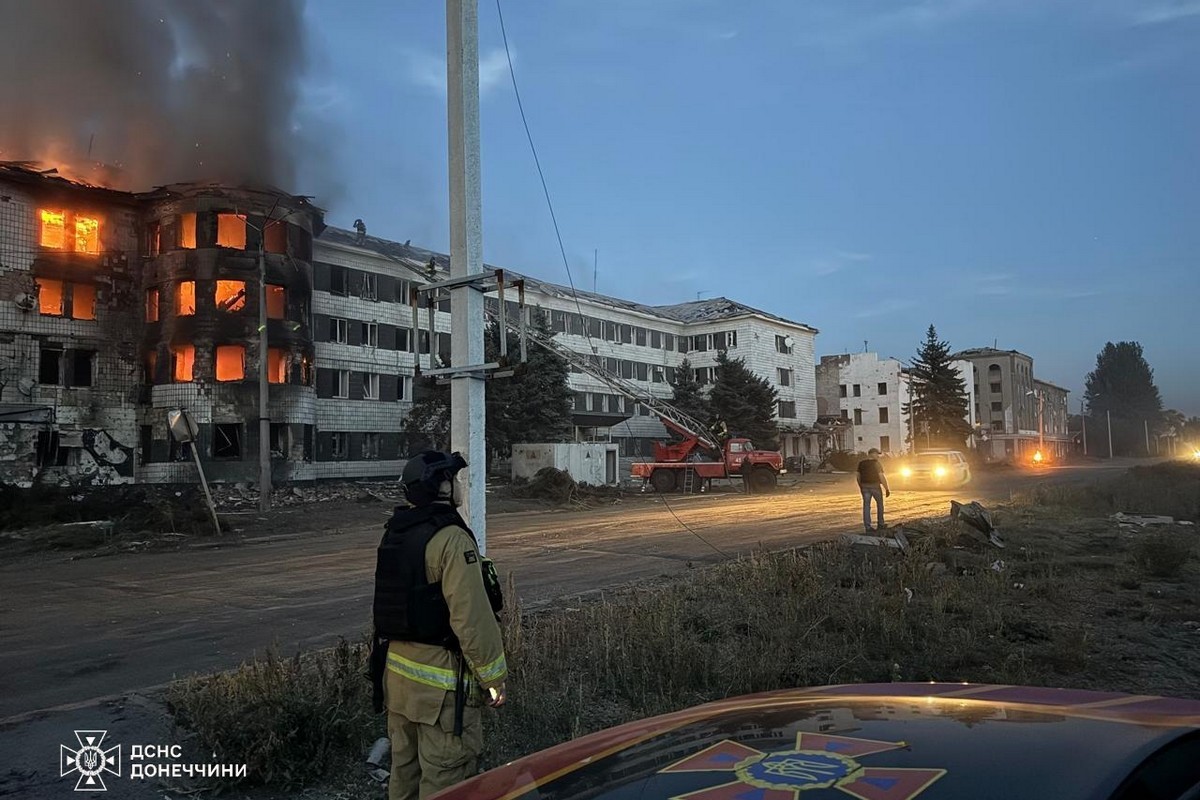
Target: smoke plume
pixel 138 93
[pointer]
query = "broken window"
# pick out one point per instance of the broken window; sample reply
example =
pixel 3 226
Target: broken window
pixel 153 239
pixel 231 362
pixel 53 232
pixel 50 296
pixel 858 390
pixel 276 302
pixel 883 416
pixel 641 371
pixel 858 417
pixel 83 301
pixel 402 287
pixel 231 296
pixel 885 443
pixel 81 367
pixel 781 345
pixel 338 330
pixel 370 445
pixel 277 363
pixel 275 237
pixel 370 386
pixel 370 286
pixel 997 406
pixel 787 409
pixel 785 376
pixel 150 365
pixel 187 231
pixel 338 445
pixel 152 305
pixel 342 390
pixel 50 366
pixel 657 375
pixel 337 280
pixel 227 440
pixel 842 390
pixel 402 339
pixel 370 334
pixel 731 338
pixel 183 362
pixel 401 387
pixel 281 439
pixel 87 235
pixel 231 231
pixel 185 299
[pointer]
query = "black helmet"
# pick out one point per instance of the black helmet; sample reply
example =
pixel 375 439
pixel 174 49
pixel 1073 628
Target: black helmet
pixel 424 473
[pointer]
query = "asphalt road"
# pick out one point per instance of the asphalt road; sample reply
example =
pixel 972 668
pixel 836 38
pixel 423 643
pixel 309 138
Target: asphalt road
pixel 72 631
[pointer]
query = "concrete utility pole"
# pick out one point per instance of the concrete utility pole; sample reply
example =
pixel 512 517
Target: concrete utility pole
pixel 1146 422
pixel 1108 420
pixel 1083 422
pixel 466 256
pixel 264 416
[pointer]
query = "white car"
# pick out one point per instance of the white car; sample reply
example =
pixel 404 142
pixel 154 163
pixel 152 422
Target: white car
pixel 932 469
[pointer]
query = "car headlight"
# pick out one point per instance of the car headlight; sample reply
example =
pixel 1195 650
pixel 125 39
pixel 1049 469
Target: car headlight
pixel 905 472
pixel 940 472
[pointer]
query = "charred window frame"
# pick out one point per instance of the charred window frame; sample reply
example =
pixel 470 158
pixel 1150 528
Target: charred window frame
pixel 227 441
pixel 369 286
pixel 83 367
pixel 50 366
pixel 152 305
pixel 370 446
pixel 281 440
pixel 339 446
pixel 52 297
pixel 276 301
pixel 370 385
pixel 339 330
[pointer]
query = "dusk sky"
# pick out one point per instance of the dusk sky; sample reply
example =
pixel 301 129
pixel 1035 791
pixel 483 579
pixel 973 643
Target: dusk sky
pixel 1019 172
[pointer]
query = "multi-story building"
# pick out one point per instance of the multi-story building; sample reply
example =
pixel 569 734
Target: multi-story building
pixel 1007 398
pixel 870 394
pixel 116 308
pixel 647 345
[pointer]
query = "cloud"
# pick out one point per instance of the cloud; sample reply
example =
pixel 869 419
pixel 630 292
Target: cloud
pixel 1163 13
pixel 885 308
pixel 838 260
pixel 853 28
pixel 429 71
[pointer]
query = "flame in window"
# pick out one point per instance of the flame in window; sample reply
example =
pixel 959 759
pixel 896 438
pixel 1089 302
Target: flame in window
pixel 231 362
pixel 54 229
pixel 50 297
pixel 231 231
pixel 276 302
pixel 187 299
pixel 187 231
pixel 87 235
pixel 185 360
pixel 277 364
pixel 231 295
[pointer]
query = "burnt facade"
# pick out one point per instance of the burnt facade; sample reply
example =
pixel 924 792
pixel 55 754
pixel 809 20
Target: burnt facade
pixel 115 308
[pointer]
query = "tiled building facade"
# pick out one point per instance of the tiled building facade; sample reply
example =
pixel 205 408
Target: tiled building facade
pixel 116 308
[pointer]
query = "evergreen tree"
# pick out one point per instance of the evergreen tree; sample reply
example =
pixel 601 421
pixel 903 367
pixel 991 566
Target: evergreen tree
pixel 687 394
pixel 427 426
pixel 745 402
pixel 939 405
pixel 1122 385
pixel 533 405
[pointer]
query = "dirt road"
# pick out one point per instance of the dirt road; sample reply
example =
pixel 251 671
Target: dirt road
pixel 75 630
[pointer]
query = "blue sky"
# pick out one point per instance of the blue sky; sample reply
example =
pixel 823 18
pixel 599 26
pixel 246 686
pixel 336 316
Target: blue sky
pixel 1025 172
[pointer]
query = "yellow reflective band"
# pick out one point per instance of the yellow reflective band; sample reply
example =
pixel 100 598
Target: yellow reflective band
pixel 424 674
pixel 493 671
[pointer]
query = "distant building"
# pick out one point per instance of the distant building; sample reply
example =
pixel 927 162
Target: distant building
pixel 1006 400
pixel 869 394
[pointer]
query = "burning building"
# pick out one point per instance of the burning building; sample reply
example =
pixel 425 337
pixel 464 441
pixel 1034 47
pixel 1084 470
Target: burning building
pixel 115 307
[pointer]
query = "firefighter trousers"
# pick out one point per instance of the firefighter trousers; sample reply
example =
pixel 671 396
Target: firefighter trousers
pixel 429 758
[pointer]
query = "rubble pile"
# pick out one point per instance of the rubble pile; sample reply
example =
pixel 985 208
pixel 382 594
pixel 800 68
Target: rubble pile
pixel 115 509
pixel 244 496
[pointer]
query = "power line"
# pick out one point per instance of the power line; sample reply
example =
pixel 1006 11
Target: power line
pixel 563 251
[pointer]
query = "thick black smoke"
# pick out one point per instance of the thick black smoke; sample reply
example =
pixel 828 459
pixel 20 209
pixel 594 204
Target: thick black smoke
pixel 162 90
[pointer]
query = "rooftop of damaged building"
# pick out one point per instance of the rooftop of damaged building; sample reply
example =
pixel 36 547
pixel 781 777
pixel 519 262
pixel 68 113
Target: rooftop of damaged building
pixel 417 259
pixel 36 173
pixel 985 352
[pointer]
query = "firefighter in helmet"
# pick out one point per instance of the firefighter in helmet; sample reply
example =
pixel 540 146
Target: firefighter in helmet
pixel 437 653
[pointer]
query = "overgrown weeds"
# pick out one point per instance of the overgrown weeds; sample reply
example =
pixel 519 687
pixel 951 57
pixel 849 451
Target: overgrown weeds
pixel 290 720
pixel 1170 488
pixel 1164 554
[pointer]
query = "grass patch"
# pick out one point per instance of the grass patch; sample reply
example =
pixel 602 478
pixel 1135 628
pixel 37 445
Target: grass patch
pixel 1165 554
pixel 290 720
pixel 1171 488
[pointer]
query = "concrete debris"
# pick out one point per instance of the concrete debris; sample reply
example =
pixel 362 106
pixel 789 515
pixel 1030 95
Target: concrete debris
pixel 977 521
pixel 997 566
pixel 872 542
pixel 1144 520
pixel 244 497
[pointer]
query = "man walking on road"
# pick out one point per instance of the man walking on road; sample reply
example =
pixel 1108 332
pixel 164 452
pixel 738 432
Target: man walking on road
pixel 872 483
pixel 437 651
